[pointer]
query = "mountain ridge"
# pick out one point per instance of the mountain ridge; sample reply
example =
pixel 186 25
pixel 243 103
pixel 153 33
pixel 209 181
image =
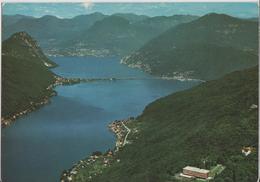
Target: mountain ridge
pixel 222 35
pixel 119 36
pixel 77 36
pixel 26 75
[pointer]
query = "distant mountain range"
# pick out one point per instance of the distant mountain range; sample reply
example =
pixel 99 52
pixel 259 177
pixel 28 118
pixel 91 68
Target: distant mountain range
pixel 206 48
pixel 25 74
pixel 48 30
pixel 93 34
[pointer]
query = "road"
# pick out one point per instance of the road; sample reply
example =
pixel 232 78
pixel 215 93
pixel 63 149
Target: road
pixel 128 131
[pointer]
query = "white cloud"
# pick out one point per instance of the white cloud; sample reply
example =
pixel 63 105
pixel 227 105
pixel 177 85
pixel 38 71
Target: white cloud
pixel 87 4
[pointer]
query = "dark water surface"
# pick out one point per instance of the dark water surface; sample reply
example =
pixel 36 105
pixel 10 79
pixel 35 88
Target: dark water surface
pixel 39 146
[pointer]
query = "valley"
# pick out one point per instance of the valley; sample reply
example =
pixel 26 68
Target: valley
pixel 129 97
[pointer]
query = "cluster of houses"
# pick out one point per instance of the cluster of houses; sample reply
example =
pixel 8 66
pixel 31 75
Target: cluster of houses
pixel 97 158
pixel 106 160
pixel 63 81
pixel 118 127
pixel 69 81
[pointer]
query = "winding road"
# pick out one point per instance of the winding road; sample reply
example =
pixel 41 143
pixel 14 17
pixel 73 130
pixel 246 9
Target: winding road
pixel 128 131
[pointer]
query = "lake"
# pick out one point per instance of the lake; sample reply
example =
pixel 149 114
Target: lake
pixel 40 145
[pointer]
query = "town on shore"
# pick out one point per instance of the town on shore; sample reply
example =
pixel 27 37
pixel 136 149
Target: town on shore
pixel 97 161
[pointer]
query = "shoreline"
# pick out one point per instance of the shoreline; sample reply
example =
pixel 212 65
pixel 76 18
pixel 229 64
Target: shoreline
pixel 103 160
pixel 121 131
pixel 179 76
pixel 50 92
pixel 33 106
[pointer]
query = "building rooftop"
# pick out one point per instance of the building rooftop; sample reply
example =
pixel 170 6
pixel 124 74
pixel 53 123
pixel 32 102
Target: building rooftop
pixel 195 169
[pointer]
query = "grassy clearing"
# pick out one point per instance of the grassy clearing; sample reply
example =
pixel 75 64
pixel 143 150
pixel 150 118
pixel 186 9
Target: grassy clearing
pixel 216 170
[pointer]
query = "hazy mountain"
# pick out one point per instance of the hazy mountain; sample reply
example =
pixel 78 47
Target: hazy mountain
pixel 116 35
pixel 206 48
pixel 160 24
pixel 131 17
pixel 50 30
pixel 94 34
pixel 12 19
pixel 25 73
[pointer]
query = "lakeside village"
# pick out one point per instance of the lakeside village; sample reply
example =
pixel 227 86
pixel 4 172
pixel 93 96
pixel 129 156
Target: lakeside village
pixel 97 162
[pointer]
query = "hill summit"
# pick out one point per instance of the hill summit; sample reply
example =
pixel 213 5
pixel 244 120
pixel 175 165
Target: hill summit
pixel 25 73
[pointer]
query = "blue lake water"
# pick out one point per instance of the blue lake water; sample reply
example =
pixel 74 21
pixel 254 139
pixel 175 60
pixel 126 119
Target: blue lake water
pixel 39 146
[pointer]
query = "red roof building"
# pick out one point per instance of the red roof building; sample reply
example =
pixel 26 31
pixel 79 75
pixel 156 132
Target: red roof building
pixel 196 172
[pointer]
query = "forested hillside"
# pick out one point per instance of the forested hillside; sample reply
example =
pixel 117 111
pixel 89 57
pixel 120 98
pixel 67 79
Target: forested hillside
pixel 206 48
pixel 25 74
pixel 203 126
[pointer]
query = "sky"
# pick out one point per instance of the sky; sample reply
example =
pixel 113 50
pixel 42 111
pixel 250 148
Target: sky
pixel 69 10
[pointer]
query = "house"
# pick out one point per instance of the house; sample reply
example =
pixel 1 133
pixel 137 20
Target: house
pixel 196 172
pixel 247 150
